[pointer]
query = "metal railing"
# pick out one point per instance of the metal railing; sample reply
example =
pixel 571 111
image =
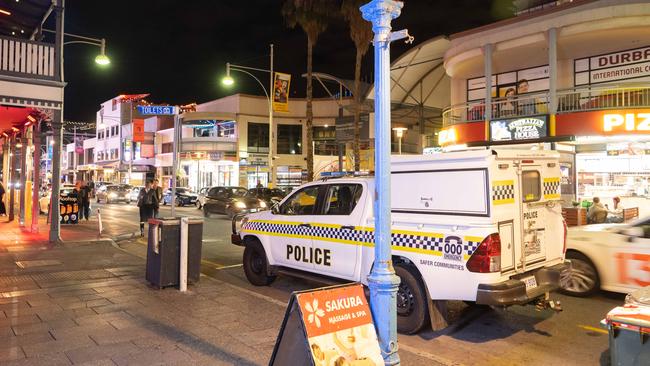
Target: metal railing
pixel 25 58
pixel 579 99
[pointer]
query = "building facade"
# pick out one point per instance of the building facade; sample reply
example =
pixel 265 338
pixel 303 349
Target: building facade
pixel 572 76
pixel 226 142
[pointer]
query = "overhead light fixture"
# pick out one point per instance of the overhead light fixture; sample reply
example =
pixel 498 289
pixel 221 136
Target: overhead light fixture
pixel 5 12
pixel 102 59
pixel 227 81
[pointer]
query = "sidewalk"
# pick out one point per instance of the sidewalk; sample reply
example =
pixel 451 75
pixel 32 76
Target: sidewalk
pixel 16 238
pixel 90 305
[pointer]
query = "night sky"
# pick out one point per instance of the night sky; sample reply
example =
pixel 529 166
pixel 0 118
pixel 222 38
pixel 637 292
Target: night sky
pixel 177 50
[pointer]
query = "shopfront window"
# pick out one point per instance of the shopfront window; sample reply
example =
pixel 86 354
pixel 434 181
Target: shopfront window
pixel 325 141
pixel 258 137
pixel 290 139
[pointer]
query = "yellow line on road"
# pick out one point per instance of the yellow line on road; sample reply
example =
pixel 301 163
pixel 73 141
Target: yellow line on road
pixel 593 329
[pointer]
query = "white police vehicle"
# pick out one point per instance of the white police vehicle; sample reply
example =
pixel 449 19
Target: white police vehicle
pixel 483 226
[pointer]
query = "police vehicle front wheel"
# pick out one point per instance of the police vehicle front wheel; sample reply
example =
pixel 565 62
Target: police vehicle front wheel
pixel 255 265
pixel 412 307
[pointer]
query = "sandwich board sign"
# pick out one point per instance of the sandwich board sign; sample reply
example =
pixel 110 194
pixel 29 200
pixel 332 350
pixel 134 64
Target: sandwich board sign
pixel 328 326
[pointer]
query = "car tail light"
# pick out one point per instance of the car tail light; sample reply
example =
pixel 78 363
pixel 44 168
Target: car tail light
pixel 566 232
pixel 487 257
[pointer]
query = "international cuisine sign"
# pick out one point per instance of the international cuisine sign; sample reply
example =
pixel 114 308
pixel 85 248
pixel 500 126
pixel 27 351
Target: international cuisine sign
pixel 281 83
pixel 339 327
pixel 518 129
pixel 623 65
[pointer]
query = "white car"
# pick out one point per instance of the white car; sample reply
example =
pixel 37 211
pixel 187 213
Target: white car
pixel 612 257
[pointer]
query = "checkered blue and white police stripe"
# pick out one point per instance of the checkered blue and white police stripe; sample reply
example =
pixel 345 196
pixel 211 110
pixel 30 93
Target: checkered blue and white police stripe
pixel 427 242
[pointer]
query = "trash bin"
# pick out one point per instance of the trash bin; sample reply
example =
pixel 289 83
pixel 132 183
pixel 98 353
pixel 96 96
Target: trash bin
pixel 629 330
pixel 163 251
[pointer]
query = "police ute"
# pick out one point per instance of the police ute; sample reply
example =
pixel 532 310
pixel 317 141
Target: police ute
pixel 481 226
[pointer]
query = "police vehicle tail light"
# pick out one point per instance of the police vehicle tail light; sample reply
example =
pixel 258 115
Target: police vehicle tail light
pixel 487 257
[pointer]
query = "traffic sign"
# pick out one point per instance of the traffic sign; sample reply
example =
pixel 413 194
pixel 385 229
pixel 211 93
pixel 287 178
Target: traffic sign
pixel 166 110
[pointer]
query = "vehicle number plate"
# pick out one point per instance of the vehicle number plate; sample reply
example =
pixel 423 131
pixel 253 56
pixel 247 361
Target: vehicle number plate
pixel 530 282
pixel 253 210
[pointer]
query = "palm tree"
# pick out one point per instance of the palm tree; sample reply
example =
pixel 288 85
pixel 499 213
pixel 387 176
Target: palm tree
pixel 361 34
pixel 312 16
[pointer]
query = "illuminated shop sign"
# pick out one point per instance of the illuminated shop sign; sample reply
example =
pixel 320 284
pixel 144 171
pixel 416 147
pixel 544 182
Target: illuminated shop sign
pixel 626 122
pixel 447 136
pixel 516 129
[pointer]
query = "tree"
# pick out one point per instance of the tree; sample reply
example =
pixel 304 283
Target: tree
pixel 361 34
pixel 312 16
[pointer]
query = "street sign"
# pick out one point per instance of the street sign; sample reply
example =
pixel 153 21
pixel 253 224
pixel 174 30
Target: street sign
pixel 164 110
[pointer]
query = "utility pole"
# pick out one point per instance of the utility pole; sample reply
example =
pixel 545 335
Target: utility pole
pixel 271 96
pixel 382 281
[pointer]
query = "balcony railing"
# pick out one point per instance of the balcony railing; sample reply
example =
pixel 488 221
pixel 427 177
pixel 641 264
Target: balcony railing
pixel 25 58
pixel 578 99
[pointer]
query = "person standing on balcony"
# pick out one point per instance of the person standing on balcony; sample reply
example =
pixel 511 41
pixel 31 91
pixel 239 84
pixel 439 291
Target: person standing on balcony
pixel 527 108
pixel 509 106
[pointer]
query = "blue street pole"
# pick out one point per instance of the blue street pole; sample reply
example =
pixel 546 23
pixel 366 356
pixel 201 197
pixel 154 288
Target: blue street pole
pixel 382 280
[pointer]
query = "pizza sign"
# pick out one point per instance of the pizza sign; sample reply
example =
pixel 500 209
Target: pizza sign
pixel 528 128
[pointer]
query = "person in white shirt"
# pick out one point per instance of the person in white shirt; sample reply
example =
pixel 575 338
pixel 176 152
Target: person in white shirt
pixel 615 215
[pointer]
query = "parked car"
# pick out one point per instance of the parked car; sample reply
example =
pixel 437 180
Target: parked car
pixel 231 201
pixel 44 201
pixel 612 257
pixel 184 196
pixel 203 192
pixel 114 193
pixel 270 196
pixel 133 194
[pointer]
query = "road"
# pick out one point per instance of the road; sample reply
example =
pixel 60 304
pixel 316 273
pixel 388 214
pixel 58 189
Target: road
pixel 519 335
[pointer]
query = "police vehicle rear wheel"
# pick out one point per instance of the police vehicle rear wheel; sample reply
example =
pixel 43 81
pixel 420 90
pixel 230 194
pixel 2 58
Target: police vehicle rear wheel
pixel 412 308
pixel 255 265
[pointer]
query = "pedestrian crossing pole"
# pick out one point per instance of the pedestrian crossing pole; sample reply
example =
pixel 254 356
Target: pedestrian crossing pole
pixel 382 281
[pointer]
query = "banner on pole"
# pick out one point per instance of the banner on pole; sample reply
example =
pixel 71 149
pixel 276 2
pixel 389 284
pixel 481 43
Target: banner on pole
pixel 281 84
pixel 138 130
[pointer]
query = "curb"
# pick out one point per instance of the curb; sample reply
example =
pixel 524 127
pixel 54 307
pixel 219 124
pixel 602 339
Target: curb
pixel 80 243
pixel 126 236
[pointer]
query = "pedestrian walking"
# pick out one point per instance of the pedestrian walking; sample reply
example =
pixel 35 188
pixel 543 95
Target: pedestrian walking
pixel 147 202
pixel 84 201
pixel 3 209
pixel 159 195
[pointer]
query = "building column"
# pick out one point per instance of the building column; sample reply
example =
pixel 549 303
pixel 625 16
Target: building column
pixel 55 222
pixel 25 142
pixel 552 78
pixel 36 177
pixel 5 164
pixel 487 57
pixel 12 179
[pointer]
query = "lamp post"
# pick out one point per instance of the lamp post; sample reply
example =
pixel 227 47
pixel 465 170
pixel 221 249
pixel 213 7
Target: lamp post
pixel 100 59
pixel 228 81
pixel 399 131
pixel 382 281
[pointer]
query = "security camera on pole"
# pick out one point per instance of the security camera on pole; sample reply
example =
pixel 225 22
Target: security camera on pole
pixel 382 281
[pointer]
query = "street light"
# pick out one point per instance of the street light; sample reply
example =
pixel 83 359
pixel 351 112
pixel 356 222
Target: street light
pixel 229 81
pixel 399 131
pixel 101 59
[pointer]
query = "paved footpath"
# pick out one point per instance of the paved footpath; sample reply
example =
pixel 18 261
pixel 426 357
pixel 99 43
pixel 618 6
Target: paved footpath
pixel 90 305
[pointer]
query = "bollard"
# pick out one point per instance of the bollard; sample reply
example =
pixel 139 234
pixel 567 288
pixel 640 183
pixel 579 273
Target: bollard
pixel 99 220
pixel 182 281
